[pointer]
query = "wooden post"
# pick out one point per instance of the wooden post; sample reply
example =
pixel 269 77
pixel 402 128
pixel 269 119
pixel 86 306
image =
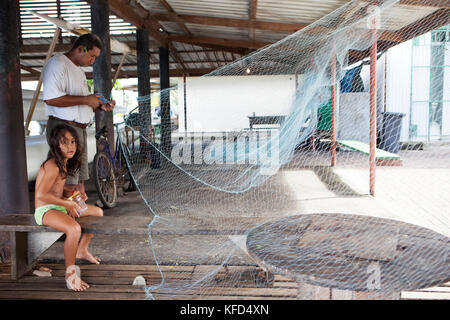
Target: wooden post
pixel 50 51
pixel 373 102
pixel 14 180
pixel 333 107
pixel 143 75
pixel 116 75
pixel 164 101
pixel 185 106
pixel 102 65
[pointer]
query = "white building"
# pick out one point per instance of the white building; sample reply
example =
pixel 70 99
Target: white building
pixel 418 84
pixel 413 78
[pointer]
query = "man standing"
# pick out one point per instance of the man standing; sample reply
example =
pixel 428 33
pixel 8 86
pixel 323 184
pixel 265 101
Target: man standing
pixel 67 98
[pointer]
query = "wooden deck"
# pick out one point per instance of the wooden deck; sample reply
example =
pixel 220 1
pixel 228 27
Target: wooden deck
pixel 114 282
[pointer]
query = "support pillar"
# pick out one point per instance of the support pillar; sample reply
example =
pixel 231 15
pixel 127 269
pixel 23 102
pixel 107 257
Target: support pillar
pixel 143 75
pixel 373 100
pixel 166 136
pixel 14 196
pixel 333 108
pixel 185 106
pixel 102 65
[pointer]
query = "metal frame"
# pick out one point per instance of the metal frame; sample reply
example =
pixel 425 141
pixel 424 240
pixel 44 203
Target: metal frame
pixel 429 101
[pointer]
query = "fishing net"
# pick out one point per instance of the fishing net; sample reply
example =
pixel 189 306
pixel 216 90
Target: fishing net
pixel 318 159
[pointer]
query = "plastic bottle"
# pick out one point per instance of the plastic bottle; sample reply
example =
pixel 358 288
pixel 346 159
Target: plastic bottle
pixel 76 196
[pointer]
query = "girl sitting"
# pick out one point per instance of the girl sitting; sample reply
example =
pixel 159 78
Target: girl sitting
pixel 54 211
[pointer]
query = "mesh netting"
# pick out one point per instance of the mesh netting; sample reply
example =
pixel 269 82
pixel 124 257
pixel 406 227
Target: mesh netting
pixel 270 163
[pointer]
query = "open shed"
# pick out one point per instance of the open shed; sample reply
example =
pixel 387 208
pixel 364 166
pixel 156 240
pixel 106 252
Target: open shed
pixel 163 39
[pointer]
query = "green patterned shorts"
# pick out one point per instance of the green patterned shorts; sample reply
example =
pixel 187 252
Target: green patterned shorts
pixel 39 212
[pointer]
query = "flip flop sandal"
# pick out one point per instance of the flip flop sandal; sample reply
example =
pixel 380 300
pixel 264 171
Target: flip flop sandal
pixel 74 278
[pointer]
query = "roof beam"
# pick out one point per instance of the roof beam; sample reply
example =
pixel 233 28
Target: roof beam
pixel 30 70
pixel 116 46
pixel 64 48
pixel 219 42
pixel 133 73
pixel 428 3
pixel 40 48
pixel 137 15
pixel 174 15
pixel 235 23
pixel 134 13
pixel 172 49
pixel 433 21
pixel 215 47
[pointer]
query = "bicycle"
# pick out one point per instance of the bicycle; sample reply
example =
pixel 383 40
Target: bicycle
pixel 111 173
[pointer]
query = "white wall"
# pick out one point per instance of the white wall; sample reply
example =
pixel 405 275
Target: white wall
pixel 224 103
pixel 354 116
pixel 446 107
pixel 402 86
pixel 398 83
pixel 381 80
pixel 39 111
pixel 37 149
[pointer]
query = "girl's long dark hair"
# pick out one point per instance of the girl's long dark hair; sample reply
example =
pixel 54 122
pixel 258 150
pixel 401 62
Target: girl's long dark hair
pixel 74 163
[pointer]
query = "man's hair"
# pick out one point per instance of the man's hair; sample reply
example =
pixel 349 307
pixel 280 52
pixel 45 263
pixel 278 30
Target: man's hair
pixel 88 40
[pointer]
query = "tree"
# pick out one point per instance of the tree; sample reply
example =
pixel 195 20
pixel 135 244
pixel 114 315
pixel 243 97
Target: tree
pixel 90 84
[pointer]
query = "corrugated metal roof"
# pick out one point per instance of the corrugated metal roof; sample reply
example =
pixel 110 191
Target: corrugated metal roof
pixel 218 31
pixel 153 6
pixel 399 16
pixel 213 32
pixel 237 9
pixel 171 27
pixel 270 36
pixel 296 11
pixel 76 12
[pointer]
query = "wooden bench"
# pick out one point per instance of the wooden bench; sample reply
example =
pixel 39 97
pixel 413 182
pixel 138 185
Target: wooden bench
pixel 30 241
pixel 383 158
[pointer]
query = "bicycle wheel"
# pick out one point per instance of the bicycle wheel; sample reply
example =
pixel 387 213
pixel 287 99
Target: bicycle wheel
pixel 105 180
pixel 126 179
pixel 123 177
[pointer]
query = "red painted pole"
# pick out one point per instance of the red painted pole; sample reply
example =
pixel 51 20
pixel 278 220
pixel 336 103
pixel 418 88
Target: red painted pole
pixel 333 108
pixel 373 105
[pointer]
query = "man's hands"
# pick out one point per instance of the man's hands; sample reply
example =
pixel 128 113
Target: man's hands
pixel 91 100
pixel 94 102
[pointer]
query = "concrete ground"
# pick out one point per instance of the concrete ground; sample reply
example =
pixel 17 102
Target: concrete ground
pixel 416 192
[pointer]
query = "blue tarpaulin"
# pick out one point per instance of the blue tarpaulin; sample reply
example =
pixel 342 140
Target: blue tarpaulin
pixel 347 81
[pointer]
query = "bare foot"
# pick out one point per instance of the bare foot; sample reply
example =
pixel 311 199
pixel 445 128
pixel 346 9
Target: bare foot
pixel 88 256
pixel 73 280
pixel 45 269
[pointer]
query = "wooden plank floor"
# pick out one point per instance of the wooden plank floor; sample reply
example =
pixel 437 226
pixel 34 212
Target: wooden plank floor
pixel 114 282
